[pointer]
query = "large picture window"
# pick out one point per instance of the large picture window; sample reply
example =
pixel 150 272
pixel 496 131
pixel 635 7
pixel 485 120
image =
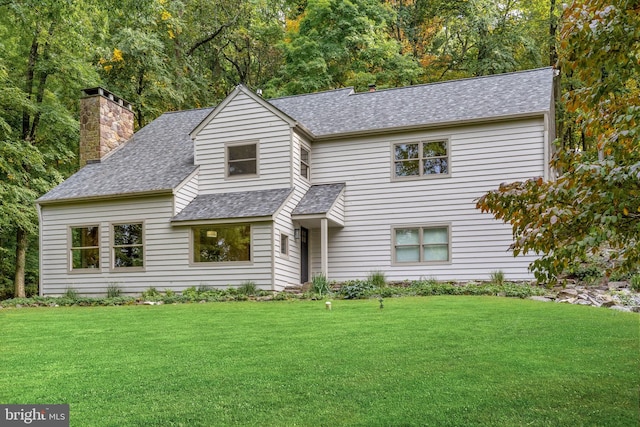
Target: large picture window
pixel 422 244
pixel 85 247
pixel 421 159
pixel 222 243
pixel 128 246
pixel 242 159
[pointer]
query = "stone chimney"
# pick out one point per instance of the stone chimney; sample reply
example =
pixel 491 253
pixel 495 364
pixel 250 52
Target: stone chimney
pixel 106 122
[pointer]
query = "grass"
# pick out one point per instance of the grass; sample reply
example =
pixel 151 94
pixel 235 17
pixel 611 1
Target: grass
pixel 445 361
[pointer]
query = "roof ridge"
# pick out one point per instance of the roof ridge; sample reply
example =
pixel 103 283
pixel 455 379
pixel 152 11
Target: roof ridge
pixel 350 88
pixel 488 76
pixel 187 111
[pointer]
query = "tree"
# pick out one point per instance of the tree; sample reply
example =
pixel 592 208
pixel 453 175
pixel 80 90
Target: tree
pixel 594 204
pixel 42 41
pixel 335 43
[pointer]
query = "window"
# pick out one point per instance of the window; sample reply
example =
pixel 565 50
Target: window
pixel 85 247
pixel 242 159
pixel 222 243
pixel 284 244
pixel 422 244
pixel 128 247
pixel 425 158
pixel 305 170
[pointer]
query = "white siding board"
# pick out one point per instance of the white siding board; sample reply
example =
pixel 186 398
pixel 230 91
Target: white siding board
pixel 481 158
pixel 167 251
pixel 186 194
pixel 244 119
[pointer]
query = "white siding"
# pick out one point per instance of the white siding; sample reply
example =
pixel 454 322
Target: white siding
pixel 185 194
pixel 244 119
pixel 287 268
pixel 167 250
pixel 481 157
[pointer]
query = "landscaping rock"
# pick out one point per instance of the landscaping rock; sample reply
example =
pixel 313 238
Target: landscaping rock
pixel 540 298
pixel 620 308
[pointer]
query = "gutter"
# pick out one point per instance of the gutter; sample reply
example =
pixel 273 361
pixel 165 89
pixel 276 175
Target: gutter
pixel 119 196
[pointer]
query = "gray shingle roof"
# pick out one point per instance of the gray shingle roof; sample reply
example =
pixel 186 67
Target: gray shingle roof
pixel 343 111
pixel 246 204
pixel 158 157
pixel 318 199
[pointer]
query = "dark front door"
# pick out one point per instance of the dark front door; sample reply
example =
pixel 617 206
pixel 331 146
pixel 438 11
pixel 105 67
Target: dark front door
pixel 304 255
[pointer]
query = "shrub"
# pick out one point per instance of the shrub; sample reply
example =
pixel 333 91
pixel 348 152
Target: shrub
pixel 355 289
pixel 151 294
pixel 634 282
pixel 588 271
pixel 113 290
pixel 320 284
pixel 377 279
pixel 497 277
pixel 70 293
pixel 248 288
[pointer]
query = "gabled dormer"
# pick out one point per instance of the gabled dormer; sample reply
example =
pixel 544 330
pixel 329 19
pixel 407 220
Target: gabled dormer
pixel 245 143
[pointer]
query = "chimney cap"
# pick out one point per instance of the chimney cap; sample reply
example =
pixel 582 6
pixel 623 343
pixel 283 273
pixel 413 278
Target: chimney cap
pixel 93 91
pixel 372 87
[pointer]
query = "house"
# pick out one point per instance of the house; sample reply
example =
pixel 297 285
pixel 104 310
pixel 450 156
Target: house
pixel 276 191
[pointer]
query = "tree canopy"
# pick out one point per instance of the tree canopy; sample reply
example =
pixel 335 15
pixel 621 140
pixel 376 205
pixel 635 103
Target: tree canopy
pixel 170 55
pixel 594 204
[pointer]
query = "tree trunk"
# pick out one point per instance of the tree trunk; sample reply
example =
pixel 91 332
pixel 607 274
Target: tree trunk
pixel 22 239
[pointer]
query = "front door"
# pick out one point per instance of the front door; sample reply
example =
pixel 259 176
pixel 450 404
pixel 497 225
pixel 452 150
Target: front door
pixel 304 255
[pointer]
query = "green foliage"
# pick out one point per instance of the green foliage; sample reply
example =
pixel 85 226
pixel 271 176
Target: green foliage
pixel 377 279
pixel 594 204
pixel 355 289
pixel 151 294
pixel 113 290
pixel 71 294
pixel 320 285
pixel 248 288
pixel 634 282
pixel 497 277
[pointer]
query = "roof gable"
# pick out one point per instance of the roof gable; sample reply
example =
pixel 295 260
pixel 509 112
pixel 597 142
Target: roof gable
pixel 244 90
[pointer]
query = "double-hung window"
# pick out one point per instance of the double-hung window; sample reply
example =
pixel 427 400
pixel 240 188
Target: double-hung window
pixel 421 159
pixel 85 248
pixel 221 243
pixel 422 244
pixel 284 244
pixel 242 160
pixel 128 245
pixel 305 169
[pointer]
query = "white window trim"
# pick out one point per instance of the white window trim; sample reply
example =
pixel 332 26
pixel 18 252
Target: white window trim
pixel 70 247
pixel 420 141
pixel 226 160
pixel 112 255
pixel 205 264
pixel 420 226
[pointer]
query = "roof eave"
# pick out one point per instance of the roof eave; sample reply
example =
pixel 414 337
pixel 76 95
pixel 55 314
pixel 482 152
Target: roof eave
pixel 236 220
pixel 119 196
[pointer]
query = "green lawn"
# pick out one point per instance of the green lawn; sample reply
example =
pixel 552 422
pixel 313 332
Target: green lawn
pixel 420 361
